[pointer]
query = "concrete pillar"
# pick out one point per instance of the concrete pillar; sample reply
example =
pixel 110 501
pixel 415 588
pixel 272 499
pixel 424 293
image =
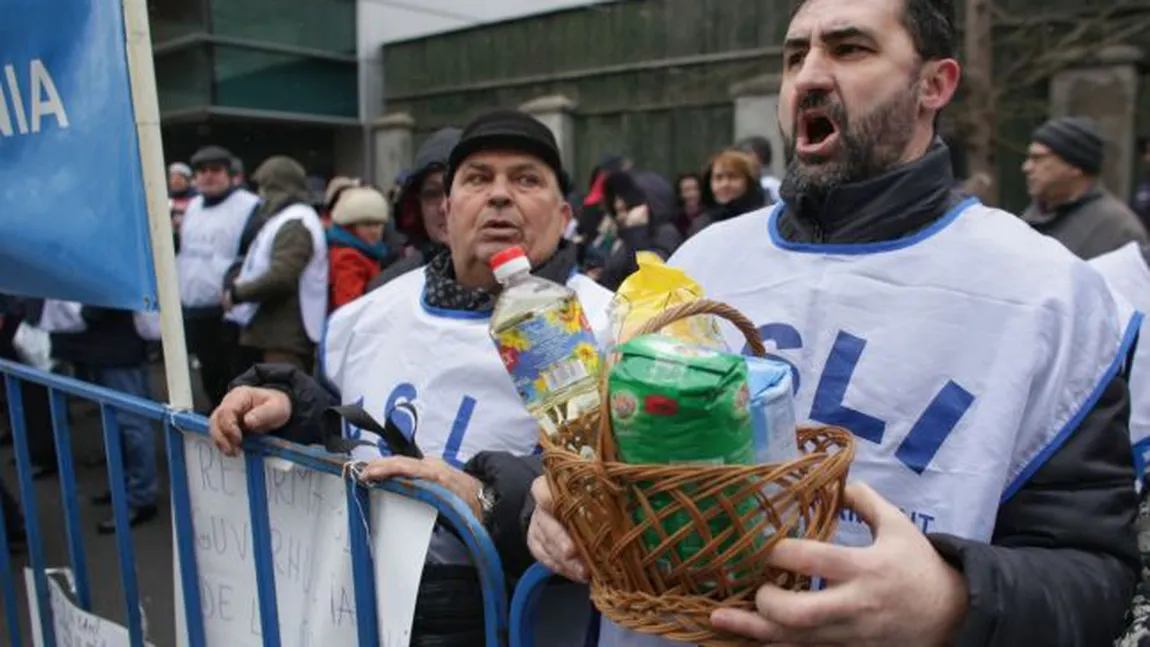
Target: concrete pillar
pixel 756 113
pixel 393 135
pixel 348 148
pixel 557 113
pixel 1104 85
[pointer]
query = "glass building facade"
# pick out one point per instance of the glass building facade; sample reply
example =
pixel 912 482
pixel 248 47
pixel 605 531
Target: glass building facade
pixel 259 77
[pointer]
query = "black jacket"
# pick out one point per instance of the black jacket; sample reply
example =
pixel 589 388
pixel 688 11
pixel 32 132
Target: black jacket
pixel 1062 564
pixel 661 238
pixel 659 235
pixel 110 341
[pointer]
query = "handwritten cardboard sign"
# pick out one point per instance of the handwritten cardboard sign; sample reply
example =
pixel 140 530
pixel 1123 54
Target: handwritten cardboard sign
pixel 310 551
pixel 72 626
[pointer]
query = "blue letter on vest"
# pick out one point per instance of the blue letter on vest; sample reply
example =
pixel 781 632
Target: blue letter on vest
pixel 828 407
pixel 458 429
pixel 932 428
pixel 927 435
pixel 403 392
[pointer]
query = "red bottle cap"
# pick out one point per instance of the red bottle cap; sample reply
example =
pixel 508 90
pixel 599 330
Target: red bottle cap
pixel 506 256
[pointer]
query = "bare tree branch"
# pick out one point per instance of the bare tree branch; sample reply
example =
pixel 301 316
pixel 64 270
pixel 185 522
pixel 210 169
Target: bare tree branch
pixel 1031 48
pixel 1038 62
pixel 1095 30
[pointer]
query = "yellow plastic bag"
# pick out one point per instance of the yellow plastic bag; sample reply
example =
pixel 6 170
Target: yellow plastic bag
pixel 655 287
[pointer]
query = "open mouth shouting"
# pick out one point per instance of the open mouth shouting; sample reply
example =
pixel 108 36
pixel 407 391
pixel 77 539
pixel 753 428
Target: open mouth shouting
pixel 818 133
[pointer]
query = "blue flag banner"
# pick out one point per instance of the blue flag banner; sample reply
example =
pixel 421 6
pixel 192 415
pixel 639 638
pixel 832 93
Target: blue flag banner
pixel 73 216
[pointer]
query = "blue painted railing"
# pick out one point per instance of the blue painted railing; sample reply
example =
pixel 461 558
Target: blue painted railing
pixel 450 508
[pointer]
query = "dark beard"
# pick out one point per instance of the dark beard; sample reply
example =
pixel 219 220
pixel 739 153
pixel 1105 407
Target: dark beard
pixel 868 147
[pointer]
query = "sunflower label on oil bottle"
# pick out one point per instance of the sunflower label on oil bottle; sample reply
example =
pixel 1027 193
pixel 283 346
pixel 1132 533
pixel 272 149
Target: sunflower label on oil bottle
pixel 546 344
pixel 548 352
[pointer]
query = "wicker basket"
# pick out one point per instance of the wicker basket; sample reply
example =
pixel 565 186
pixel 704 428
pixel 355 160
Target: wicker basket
pixel 639 576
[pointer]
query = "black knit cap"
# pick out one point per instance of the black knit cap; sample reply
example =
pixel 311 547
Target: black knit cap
pixel 1075 140
pixel 510 130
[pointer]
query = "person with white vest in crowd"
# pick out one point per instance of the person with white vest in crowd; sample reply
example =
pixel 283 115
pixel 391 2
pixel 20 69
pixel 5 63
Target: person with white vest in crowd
pixel 422 340
pixel 1127 269
pixel 279 298
pixel 211 236
pixel 978 364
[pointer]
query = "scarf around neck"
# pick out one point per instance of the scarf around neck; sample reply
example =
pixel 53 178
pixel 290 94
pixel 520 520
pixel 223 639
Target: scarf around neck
pixel 443 291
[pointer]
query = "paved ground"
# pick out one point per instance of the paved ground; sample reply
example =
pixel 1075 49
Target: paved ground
pixel 152 541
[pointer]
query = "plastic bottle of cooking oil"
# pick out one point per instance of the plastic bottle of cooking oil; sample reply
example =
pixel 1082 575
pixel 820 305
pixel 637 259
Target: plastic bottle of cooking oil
pixel 545 343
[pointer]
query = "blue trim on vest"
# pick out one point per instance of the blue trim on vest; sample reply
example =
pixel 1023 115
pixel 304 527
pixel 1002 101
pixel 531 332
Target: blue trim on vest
pixel 865 248
pixel 1060 438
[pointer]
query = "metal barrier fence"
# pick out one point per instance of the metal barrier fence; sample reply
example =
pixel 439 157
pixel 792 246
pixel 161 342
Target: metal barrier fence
pixel 525 604
pixel 450 509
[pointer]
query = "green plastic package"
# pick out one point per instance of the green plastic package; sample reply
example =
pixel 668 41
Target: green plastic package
pixel 676 403
pixel 672 403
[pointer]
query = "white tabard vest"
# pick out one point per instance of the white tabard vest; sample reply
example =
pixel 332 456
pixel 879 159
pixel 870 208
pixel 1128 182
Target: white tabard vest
pixel 313 281
pixel 1129 276
pixel 390 347
pixel 961 357
pixel 209 244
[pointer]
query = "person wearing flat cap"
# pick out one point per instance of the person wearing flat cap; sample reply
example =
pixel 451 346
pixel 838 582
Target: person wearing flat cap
pixel 1069 204
pixel 420 342
pixel 215 231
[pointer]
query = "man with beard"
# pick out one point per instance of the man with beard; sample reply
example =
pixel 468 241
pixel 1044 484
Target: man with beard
pixel 978 364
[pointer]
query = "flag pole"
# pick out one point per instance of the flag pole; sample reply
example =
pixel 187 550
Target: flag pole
pixel 146 108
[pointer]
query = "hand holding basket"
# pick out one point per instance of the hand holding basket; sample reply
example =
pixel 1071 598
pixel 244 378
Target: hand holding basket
pixel 668 544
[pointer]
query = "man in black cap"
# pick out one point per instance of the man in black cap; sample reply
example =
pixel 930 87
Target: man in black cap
pixel 422 340
pixel 1061 168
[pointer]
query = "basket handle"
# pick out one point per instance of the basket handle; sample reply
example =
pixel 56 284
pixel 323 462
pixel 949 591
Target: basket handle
pixel 706 307
pixel 605 440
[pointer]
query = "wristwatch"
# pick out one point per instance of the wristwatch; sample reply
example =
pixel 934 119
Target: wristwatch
pixel 486 497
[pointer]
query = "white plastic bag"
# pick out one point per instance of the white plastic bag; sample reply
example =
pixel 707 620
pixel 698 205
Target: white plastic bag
pixel 33 347
pixel 148 325
pixel 62 317
pixel 65 317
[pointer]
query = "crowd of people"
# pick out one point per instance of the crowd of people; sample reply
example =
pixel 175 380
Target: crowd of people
pixel 374 235
pixel 295 302
pixel 987 324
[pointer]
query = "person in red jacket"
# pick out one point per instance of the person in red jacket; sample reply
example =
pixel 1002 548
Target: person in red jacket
pixel 355 243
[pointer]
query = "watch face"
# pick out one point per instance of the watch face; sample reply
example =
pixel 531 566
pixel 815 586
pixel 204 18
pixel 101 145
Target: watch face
pixel 486 498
